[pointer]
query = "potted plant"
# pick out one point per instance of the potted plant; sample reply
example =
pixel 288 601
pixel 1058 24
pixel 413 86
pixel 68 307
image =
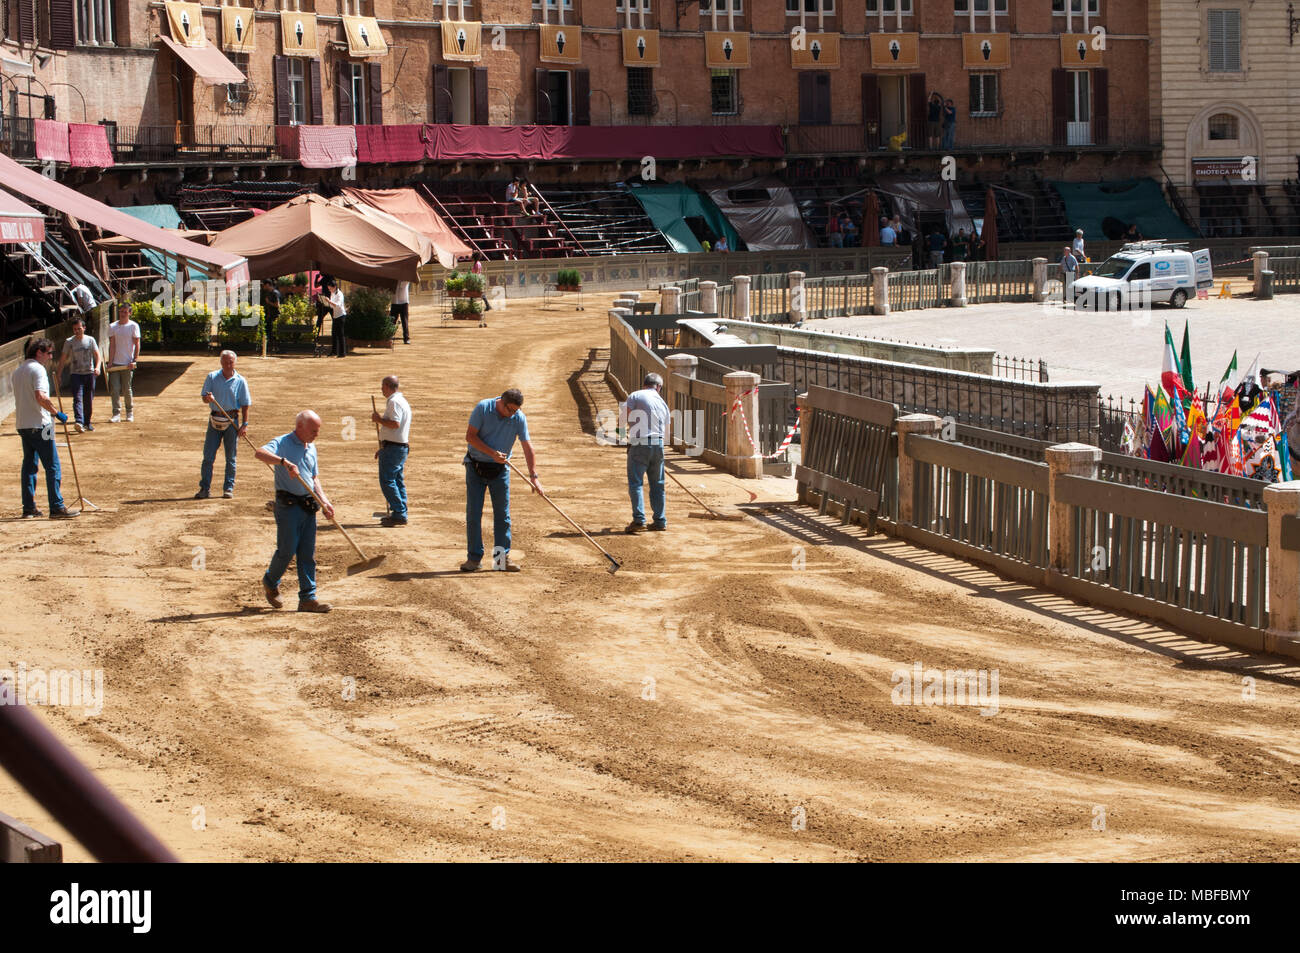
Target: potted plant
pixel 464 307
pixel 455 285
pixel 474 285
pixel 369 322
pixel 297 325
pixel 237 333
pixel 568 279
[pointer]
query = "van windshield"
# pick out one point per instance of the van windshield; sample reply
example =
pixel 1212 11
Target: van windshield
pixel 1115 267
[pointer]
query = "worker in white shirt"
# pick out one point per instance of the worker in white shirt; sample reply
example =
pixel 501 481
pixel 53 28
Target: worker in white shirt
pixel 394 443
pixel 332 298
pixel 401 309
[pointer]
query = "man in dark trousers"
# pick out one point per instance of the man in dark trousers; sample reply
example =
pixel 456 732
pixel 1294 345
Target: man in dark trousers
pixel 34 416
pixel 494 425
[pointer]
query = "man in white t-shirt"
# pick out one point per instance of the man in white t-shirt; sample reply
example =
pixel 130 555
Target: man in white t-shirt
pixel 123 351
pixel 400 310
pixel 34 416
pixel 394 443
pixel 332 297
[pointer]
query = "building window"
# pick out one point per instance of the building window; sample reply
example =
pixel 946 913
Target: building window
pixel 794 7
pixel 297 90
pixel 459 9
pixel 706 6
pixel 237 93
pixel 962 7
pixel 725 92
pixel 1223 127
pixel 553 4
pixel 359 93
pixel 624 6
pixel 983 94
pixel 97 22
pixel 1225 41
pixel 1076 6
pixel 640 91
pixel 887 6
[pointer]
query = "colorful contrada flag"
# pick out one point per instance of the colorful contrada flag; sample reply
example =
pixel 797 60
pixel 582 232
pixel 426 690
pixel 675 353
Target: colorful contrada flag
pixel 237 33
pixel 186 22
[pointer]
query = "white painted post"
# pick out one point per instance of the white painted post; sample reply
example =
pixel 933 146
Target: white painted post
pixel 1040 280
pixel 1261 265
pixel 959 284
pixel 1283 635
pixel 798 301
pixel 880 291
pixel 922 425
pixel 669 300
pixel 709 297
pixel 743 458
pixel 741 284
pixel 1066 459
pixel 681 371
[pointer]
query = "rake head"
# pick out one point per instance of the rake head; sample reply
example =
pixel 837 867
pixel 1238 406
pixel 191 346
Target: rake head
pixel 366 564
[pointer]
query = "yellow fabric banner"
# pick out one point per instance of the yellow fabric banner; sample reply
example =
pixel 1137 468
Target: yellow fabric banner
pixel 560 44
pixel 726 50
pixel 298 33
pixel 1080 49
pixel 186 20
pixel 640 47
pixel 815 51
pixel 986 50
pixel 237 33
pixel 364 38
pixel 462 41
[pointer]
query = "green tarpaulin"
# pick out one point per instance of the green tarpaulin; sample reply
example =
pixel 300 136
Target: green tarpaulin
pixel 670 205
pixel 163 216
pixel 1133 201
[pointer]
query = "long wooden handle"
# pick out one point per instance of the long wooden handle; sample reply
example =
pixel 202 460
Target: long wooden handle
pixel 564 514
pixel 81 505
pixel 375 409
pixel 687 489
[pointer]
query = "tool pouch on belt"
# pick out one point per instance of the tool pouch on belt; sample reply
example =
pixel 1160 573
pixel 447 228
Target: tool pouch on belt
pixel 306 501
pixel 219 421
pixel 489 470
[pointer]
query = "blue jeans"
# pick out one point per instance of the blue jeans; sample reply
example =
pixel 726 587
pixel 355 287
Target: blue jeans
pixel 83 397
pixel 950 136
pixel 500 490
pixel 646 460
pixel 392 461
pixel 215 438
pixel 295 535
pixel 36 446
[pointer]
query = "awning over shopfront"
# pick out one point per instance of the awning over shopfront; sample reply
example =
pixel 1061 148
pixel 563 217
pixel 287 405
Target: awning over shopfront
pixel 19 222
pixel 208 62
pixel 409 208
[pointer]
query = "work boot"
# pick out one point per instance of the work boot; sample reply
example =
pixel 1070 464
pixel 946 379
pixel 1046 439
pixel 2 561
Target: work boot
pixel 469 565
pixel 77 428
pixel 633 528
pixel 63 513
pixel 507 566
pixel 313 605
pixel 115 419
pixel 658 527
pixel 32 514
pixel 201 495
pixel 228 494
pixel 273 596
pixel 393 521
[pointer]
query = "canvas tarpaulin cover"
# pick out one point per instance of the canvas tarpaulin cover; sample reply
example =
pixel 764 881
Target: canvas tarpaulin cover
pixel 764 213
pixel 164 216
pixel 910 196
pixel 668 207
pixel 1132 202
pixel 408 207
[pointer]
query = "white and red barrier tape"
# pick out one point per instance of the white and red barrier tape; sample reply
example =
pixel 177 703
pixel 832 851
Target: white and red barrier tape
pixel 737 407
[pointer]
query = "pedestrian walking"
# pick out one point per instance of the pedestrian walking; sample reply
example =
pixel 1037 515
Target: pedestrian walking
pixel 1080 250
pixel 227 396
pixel 647 425
pixel 1069 271
pixel 400 309
pixel 323 281
pixel 123 353
pixel 394 444
pixel 332 298
pixel 34 416
pixel 81 351
pixel 494 425
pixel 949 124
pixel 938 242
pixel 294 457
pixel 477 268
pixel 960 245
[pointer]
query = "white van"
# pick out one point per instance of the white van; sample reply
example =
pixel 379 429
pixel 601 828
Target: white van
pixel 1142 273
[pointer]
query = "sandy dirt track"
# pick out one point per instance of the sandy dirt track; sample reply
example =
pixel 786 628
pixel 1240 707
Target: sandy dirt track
pixel 523 693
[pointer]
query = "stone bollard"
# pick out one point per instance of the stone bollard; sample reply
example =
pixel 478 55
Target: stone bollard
pixel 669 299
pixel 1283 636
pixel 1264 287
pixel 880 291
pixel 1040 280
pixel 1067 459
pixel 959 284
pixel 743 458
pixel 798 297
pixel 709 297
pixel 634 295
pixel 681 371
pixel 1261 263
pixel 741 284
pixel 923 425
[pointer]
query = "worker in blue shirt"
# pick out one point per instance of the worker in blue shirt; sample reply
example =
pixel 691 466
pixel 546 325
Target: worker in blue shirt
pixel 223 390
pixel 294 459
pixel 494 425
pixel 647 424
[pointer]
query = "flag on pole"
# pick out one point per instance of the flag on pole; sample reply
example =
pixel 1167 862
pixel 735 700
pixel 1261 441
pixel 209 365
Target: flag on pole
pixel 1185 361
pixel 1171 375
pixel 1232 368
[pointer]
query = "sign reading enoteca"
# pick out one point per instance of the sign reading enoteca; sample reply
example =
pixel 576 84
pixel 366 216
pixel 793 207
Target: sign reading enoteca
pixel 726 50
pixel 560 44
pixel 1080 49
pixel 237 33
pixel 1227 170
pixel 895 50
pixel 186 20
pixel 364 38
pixel 986 50
pixel 640 47
pixel 462 41
pixel 298 33
pixel 815 51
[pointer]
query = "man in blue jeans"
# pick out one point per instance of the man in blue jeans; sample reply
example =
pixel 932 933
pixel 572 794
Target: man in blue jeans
pixel 223 390
pixel 294 459
pixel 34 416
pixel 394 442
pixel 494 424
pixel 647 424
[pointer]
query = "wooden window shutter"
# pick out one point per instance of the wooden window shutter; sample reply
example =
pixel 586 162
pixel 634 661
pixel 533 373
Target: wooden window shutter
pixel 280 77
pixel 317 110
pixel 871 109
pixel 441 94
pixel 917 109
pixel 63 25
pixel 376 81
pixel 581 97
pixel 1060 106
pixel 1101 107
pixel 26 21
pixel 343 93
pixel 807 97
pixel 543 101
pixel 480 75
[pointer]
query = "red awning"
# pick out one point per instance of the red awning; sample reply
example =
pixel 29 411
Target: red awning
pixel 208 62
pixel 19 222
pixel 17 178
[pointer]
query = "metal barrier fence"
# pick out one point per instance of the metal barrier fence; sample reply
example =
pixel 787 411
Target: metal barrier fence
pixel 837 297
pixel 1286 275
pixel 912 290
pixel 706 404
pixel 996 281
pixel 769 298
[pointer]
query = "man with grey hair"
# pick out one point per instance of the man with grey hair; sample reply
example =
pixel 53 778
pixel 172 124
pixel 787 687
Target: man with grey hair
pixel 294 459
pixel 394 443
pixel 223 390
pixel 647 425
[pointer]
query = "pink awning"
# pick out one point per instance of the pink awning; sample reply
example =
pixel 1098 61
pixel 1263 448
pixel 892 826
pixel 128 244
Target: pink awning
pixel 408 207
pixel 45 191
pixel 208 62
pixel 19 222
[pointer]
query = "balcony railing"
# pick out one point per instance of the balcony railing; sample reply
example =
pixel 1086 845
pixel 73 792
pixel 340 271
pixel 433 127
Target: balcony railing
pixel 980 135
pixel 179 142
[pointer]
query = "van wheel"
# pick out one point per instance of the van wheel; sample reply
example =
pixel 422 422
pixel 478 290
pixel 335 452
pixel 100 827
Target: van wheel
pixel 1179 299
